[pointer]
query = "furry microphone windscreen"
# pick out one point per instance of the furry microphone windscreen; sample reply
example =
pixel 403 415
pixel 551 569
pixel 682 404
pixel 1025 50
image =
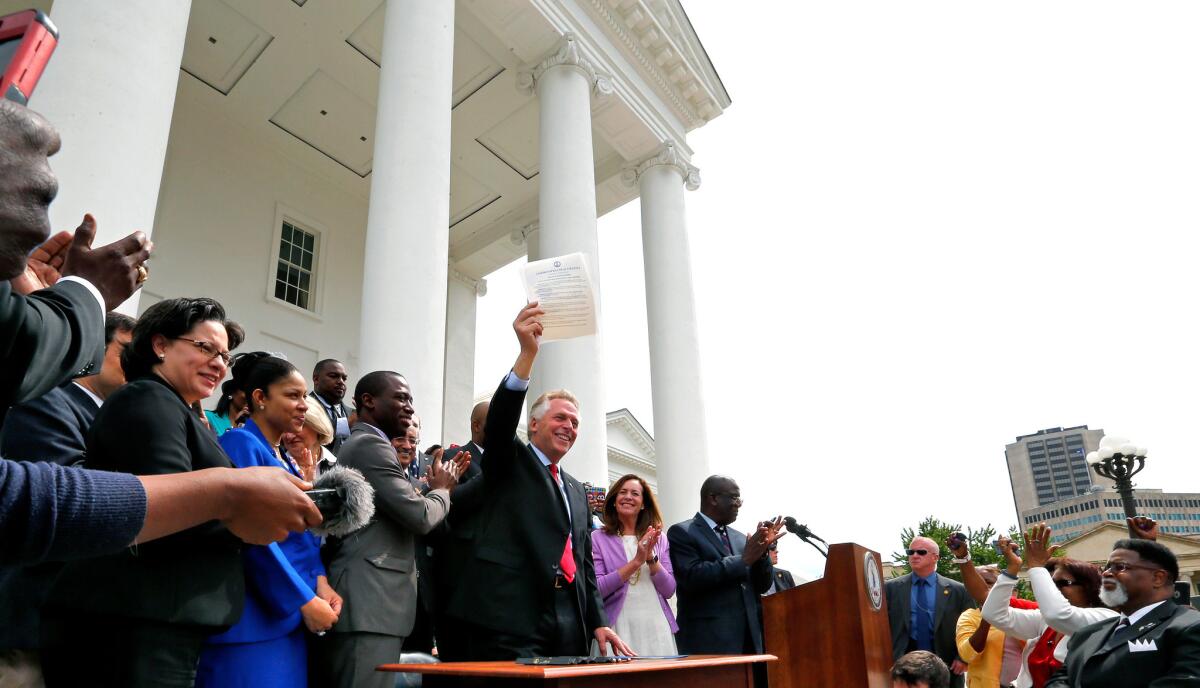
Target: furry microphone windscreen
pixel 358 506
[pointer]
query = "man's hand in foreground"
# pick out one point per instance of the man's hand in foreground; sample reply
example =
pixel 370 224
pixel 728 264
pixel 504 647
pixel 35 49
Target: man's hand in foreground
pixel 606 636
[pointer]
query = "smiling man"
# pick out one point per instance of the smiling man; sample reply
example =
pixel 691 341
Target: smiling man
pixel 329 388
pixel 1154 642
pixel 924 606
pixel 529 586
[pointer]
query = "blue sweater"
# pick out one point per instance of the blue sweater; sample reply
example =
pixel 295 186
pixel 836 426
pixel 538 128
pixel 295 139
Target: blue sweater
pixel 280 577
pixel 49 512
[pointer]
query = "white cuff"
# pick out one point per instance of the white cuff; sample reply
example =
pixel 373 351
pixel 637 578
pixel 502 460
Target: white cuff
pixel 514 382
pixel 90 287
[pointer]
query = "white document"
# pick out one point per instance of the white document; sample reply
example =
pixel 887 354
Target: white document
pixel 563 288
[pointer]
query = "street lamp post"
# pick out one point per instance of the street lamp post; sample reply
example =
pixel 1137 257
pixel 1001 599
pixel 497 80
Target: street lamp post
pixel 1119 460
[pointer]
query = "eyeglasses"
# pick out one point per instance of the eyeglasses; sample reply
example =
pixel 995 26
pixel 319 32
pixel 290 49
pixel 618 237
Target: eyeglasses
pixel 209 349
pixel 736 498
pixel 911 552
pixel 1118 567
pixel 1065 583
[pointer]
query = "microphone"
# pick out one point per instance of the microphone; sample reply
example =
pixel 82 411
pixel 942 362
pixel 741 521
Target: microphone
pixel 799 529
pixel 346 501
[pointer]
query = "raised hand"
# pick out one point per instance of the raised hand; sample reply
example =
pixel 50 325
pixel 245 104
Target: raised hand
pixel 528 327
pixel 44 266
pixel 1143 527
pixel 444 476
pixel 1009 548
pixel 1037 546
pixel 116 270
pixel 646 545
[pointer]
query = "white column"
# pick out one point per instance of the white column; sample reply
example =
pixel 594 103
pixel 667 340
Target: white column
pixel 564 83
pixel 408 220
pixel 462 295
pixel 110 91
pixel 680 438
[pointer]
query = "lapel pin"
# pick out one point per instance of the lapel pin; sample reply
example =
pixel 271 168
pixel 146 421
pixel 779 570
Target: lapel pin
pixel 946 592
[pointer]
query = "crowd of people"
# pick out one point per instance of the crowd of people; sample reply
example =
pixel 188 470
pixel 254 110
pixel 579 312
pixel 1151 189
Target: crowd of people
pixel 148 541
pixel 1087 625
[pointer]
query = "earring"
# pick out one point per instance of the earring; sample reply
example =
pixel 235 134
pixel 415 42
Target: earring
pixel 162 357
pixel 262 407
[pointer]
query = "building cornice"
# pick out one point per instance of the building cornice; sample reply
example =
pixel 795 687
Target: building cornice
pixel 479 285
pixel 567 54
pixel 641 34
pixel 668 156
pixel 623 419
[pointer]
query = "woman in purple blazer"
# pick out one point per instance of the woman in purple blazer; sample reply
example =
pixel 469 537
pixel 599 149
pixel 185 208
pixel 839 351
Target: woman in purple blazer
pixel 633 568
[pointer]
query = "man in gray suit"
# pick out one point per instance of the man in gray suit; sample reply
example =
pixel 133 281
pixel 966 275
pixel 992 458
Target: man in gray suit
pixel 924 606
pixel 374 569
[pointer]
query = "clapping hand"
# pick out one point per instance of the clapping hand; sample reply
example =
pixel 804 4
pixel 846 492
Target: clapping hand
pixel 444 475
pixel 44 267
pixel 116 270
pixel 645 549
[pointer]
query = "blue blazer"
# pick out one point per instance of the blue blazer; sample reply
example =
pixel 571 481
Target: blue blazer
pixel 281 576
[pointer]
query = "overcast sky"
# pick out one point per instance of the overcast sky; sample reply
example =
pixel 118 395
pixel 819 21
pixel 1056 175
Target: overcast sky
pixel 925 229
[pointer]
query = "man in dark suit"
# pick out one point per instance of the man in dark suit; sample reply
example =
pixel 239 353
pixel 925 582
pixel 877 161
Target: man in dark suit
pixel 719 574
pixel 1154 642
pixel 530 587
pixel 53 427
pixel 924 606
pixel 452 543
pixel 374 569
pixel 781 579
pixel 329 389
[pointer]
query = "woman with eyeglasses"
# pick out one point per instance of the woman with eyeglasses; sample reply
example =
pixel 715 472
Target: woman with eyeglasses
pixel 1068 597
pixel 139 618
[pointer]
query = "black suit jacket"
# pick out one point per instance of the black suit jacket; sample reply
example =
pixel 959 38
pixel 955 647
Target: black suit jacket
pixel 952 600
pixel 521 531
pixel 52 427
pixel 783 579
pixel 191 577
pixel 718 593
pixel 1162 649
pixel 47 338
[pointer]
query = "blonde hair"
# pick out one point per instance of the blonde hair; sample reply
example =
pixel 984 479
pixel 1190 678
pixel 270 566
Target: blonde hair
pixel 315 418
pixel 539 406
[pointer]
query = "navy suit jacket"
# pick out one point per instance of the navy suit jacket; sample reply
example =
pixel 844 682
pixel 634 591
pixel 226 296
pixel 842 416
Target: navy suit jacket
pixel 717 592
pixel 52 427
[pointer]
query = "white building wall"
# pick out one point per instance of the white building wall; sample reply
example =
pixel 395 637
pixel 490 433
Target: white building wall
pixel 215 234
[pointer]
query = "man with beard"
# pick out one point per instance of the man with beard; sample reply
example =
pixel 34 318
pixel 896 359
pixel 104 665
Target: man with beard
pixel 1154 642
pixel 329 388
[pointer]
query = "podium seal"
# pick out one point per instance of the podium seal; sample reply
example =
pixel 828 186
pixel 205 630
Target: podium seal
pixel 873 579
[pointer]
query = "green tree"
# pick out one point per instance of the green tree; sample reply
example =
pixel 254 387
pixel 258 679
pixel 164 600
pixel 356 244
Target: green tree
pixel 979 541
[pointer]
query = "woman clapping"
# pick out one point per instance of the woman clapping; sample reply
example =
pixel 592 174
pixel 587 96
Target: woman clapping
pixel 633 568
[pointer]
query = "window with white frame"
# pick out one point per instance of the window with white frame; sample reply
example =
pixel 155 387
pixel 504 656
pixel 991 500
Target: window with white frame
pixel 295 276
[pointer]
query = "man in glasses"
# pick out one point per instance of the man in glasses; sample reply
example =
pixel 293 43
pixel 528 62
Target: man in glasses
pixel 924 606
pixel 1154 642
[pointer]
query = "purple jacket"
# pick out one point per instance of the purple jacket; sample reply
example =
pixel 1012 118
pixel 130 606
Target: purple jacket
pixel 608 553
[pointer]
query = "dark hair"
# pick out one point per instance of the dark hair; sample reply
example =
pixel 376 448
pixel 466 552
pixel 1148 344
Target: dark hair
pixel 1085 573
pixel 374 383
pixel 227 389
pixel 648 516
pixel 116 322
pixel 171 318
pixel 321 365
pixel 710 485
pixel 921 665
pixel 258 370
pixel 1153 552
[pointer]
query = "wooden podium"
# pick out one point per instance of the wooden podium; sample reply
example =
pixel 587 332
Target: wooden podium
pixel 709 671
pixel 833 631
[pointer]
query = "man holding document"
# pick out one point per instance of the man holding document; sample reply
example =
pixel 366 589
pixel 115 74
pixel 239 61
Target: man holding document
pixel 530 587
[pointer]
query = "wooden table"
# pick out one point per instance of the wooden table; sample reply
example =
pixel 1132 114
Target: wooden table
pixel 696 671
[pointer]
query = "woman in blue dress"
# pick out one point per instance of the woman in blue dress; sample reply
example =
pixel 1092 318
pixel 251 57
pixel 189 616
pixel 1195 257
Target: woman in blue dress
pixel 286 589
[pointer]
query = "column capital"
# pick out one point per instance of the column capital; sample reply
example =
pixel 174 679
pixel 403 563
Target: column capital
pixel 669 156
pixel 479 285
pixel 520 235
pixel 567 54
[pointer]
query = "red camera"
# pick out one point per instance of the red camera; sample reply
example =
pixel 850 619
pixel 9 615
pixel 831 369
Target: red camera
pixel 27 39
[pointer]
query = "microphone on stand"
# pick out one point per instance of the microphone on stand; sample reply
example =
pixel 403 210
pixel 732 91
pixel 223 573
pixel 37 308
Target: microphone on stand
pixel 801 531
pixel 345 499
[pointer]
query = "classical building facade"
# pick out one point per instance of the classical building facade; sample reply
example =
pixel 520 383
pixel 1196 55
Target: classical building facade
pixel 344 174
pixel 1177 513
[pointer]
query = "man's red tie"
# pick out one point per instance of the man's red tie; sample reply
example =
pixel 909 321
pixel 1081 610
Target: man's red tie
pixel 567 561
